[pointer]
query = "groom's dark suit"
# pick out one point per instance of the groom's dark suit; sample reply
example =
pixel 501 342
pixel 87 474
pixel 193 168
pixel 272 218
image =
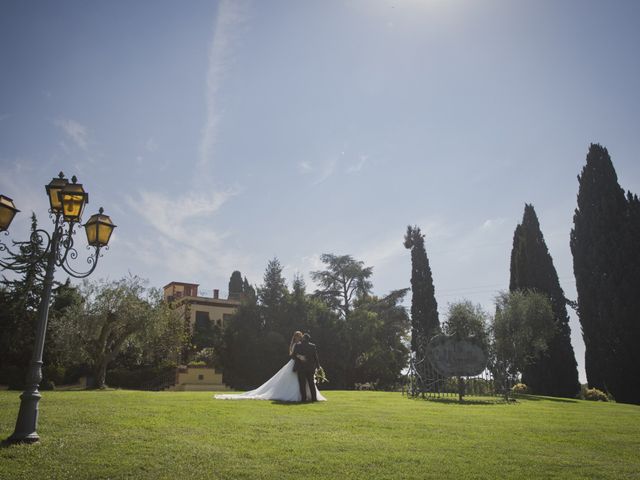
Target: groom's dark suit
pixel 307 368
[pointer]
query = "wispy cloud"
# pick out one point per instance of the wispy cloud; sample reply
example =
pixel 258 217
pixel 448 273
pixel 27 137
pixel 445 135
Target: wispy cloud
pixel 169 215
pixel 231 14
pixel 4 116
pixel 75 131
pixel 492 223
pixel 151 145
pixel 182 238
pixel 387 248
pixel 17 183
pixel 326 170
pixel 383 250
pixel 359 165
pixel 305 166
pixel 185 239
pixel 321 170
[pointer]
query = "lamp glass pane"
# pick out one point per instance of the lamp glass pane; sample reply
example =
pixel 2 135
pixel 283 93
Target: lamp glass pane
pixel 72 205
pixel 105 229
pixel 73 200
pixel 104 233
pixel 7 211
pixel 53 190
pixel 6 216
pixel 92 233
pixel 99 229
pixel 54 199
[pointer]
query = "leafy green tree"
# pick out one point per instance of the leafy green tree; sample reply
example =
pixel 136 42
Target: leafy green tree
pixel 554 371
pixel 241 348
pixel 205 335
pixel 424 308
pixel 605 244
pixel 329 332
pixel 112 314
pixel 344 280
pixel 367 346
pixel 378 329
pixel 522 328
pixel 64 297
pixel 466 321
pixel 255 339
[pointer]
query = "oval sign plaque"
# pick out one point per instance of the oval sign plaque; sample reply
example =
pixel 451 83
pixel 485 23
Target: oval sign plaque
pixel 456 358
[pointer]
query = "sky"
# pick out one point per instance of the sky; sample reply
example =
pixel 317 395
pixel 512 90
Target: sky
pixel 221 134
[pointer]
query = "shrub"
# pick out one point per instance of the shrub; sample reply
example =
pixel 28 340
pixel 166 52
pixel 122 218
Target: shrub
pixel 142 378
pixel 47 385
pixel 197 363
pixel 13 377
pixel 54 373
pixel 365 386
pixel 74 372
pixel 593 394
pixel 519 388
pixel 206 355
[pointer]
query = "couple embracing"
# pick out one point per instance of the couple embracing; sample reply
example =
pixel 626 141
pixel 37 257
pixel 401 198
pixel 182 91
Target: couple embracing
pixel 305 363
pixel 294 382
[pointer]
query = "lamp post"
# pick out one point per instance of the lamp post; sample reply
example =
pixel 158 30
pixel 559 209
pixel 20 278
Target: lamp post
pixel 67 201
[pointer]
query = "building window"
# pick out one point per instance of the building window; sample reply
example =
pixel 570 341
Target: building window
pixel 202 321
pixel 200 377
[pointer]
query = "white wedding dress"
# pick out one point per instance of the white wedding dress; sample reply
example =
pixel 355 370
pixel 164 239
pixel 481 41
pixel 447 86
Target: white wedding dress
pixel 283 386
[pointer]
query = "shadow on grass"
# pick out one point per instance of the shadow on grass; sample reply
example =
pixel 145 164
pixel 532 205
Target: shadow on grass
pixel 291 404
pixel 453 400
pixel 537 398
pixel 492 401
pixel 7 444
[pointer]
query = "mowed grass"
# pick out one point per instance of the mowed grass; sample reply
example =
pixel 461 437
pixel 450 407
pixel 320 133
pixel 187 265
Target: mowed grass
pixel 128 434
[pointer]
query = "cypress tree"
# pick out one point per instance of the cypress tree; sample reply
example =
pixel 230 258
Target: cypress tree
pixel 606 262
pixel 235 285
pixel 553 372
pixel 424 308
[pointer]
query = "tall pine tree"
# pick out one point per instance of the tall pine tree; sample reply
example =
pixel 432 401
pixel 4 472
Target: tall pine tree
pixel 606 264
pixel 424 308
pixel 19 301
pixel 553 372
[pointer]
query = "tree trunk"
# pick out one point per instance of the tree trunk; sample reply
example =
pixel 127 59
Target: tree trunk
pixel 100 373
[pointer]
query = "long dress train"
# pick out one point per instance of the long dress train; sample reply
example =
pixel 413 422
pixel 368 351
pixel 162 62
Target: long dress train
pixel 282 386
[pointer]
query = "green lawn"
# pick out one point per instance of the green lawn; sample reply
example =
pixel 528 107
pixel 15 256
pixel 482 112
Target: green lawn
pixel 126 434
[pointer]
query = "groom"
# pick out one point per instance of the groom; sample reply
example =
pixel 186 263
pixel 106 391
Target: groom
pixel 305 356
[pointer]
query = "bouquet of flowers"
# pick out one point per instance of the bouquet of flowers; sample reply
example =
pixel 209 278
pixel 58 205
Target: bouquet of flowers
pixel 320 376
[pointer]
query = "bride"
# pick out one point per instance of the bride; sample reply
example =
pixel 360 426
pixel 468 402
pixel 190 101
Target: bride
pixel 282 386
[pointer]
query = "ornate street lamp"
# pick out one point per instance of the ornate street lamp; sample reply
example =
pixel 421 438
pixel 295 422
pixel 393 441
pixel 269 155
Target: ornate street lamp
pixel 53 189
pixel 67 202
pixel 73 198
pixel 99 229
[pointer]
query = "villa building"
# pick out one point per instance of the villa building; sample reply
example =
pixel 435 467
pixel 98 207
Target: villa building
pixel 198 312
